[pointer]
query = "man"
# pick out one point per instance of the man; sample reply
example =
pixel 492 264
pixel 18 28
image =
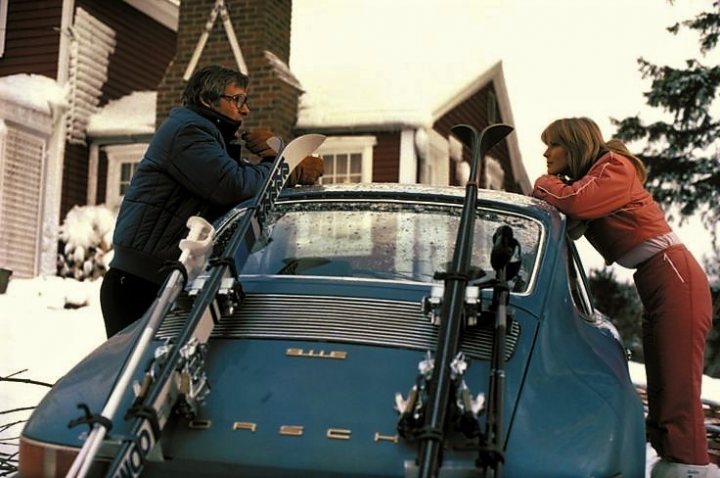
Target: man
pixel 190 168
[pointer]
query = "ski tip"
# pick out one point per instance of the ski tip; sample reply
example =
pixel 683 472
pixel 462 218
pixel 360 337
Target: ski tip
pixel 313 140
pixel 465 133
pixel 276 143
pixel 300 147
pixel 493 134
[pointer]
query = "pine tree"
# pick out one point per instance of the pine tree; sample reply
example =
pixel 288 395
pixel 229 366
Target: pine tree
pixel 682 153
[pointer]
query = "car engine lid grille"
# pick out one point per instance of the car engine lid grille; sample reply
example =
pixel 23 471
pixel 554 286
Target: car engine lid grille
pixel 340 319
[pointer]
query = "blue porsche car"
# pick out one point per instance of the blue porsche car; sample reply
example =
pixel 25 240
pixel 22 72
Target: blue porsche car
pixel 320 366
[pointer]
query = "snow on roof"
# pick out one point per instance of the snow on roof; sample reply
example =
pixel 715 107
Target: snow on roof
pixel 392 63
pixel 133 114
pixel 33 91
pixel 282 70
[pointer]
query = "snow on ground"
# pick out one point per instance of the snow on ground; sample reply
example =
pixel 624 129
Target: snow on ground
pixel 39 334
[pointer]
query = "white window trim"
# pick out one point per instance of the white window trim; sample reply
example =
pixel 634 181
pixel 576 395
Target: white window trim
pixel 3 25
pixel 116 155
pixel 436 156
pixel 494 174
pixel 349 145
pixel 408 167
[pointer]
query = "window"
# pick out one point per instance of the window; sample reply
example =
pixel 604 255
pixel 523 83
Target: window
pixel 381 240
pixel 127 169
pixel 123 160
pixel 22 176
pixel 342 168
pixel 579 288
pixel 348 159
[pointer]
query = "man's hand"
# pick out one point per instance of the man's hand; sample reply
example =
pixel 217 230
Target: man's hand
pixel 256 142
pixel 307 172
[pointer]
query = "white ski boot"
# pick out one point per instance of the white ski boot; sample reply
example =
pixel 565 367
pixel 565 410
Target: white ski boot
pixel 667 469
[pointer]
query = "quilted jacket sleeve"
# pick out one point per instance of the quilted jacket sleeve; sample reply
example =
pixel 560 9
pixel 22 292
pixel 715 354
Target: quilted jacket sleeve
pixel 604 189
pixel 200 162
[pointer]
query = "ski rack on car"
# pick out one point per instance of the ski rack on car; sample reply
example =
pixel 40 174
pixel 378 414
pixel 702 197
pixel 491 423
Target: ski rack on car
pixel 175 381
pixel 424 415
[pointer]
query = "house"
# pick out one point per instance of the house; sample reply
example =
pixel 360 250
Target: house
pixel 89 50
pixel 116 68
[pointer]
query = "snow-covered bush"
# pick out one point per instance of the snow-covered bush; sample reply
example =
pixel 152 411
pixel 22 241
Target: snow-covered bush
pixel 85 242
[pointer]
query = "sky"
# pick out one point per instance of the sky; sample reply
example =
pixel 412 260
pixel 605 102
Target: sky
pixel 560 58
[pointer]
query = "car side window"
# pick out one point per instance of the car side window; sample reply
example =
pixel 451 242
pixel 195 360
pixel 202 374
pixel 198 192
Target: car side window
pixel 579 287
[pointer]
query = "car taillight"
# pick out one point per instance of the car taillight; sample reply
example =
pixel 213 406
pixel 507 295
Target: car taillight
pixel 44 460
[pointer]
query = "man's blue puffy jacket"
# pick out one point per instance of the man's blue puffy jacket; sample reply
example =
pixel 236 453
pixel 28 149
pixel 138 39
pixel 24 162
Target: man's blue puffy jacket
pixel 186 171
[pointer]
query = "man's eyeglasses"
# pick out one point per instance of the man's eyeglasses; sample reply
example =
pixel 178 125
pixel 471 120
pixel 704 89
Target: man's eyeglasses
pixel 239 100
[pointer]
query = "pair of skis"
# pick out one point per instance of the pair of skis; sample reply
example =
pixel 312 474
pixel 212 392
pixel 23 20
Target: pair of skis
pixel 175 378
pixel 445 369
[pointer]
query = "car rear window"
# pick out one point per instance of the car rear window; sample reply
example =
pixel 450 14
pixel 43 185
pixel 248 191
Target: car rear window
pixel 380 240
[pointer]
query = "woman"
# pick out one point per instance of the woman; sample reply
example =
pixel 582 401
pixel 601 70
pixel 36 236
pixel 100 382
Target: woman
pixel 599 186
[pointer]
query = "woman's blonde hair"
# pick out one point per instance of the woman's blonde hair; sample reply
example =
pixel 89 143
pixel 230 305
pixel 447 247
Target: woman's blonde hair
pixel 584 143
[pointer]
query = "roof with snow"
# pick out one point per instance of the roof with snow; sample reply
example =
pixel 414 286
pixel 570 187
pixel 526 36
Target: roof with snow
pixel 392 64
pixel 133 114
pixel 33 91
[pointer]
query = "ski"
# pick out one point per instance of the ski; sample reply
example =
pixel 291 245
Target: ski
pixel 444 369
pixel 194 248
pixel 175 380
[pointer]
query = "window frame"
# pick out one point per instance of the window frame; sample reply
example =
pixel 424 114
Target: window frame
pixel 578 284
pixel 363 145
pixel 373 206
pixel 117 155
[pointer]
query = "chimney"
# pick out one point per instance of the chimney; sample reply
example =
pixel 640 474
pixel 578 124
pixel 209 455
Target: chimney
pixel 262 28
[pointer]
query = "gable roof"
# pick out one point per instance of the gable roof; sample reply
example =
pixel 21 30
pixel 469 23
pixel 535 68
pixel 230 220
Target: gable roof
pixel 380 63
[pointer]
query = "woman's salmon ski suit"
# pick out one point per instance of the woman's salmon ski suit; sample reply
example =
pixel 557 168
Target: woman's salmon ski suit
pixel 627 226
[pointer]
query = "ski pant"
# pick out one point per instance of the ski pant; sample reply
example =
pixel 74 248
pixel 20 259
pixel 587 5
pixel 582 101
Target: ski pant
pixel 124 298
pixel 678 314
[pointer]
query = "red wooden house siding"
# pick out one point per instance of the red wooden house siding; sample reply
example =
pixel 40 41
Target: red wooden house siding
pixel 142 52
pixel 32 38
pixel 386 157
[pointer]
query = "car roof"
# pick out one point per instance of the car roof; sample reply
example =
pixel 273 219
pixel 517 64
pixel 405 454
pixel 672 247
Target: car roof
pixel 421 192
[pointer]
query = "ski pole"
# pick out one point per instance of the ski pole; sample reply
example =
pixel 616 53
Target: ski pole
pixel 456 280
pixel 194 248
pixel 505 250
